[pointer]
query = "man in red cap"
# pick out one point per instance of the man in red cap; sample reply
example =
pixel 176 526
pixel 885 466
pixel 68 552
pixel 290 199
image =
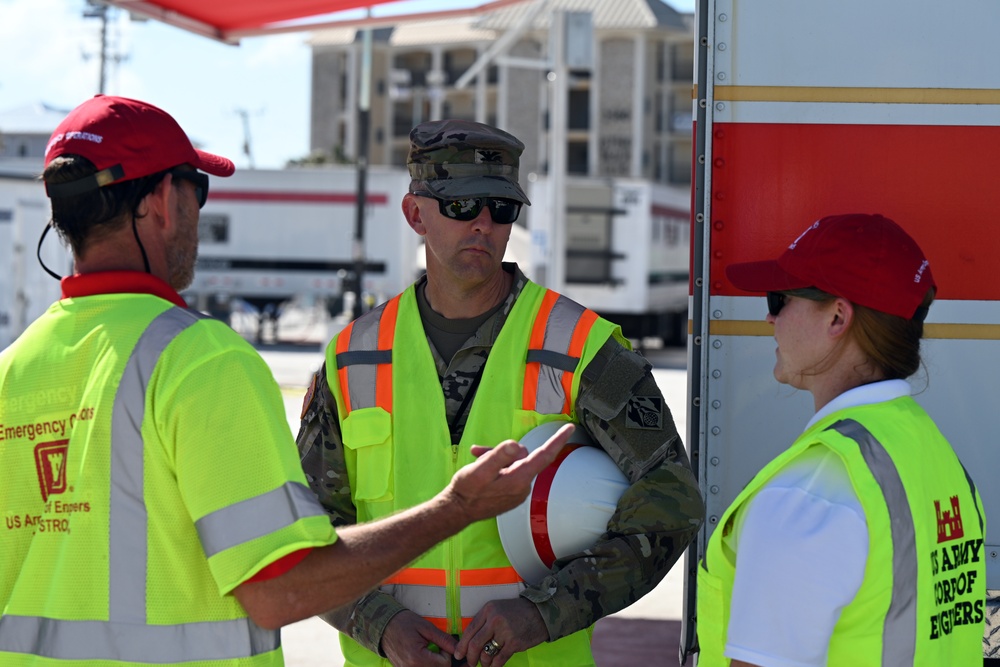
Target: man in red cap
pixel 155 508
pixel 862 543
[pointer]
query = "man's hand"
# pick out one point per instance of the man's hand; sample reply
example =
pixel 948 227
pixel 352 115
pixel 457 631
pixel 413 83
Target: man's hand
pixel 514 624
pixel 407 638
pixel 502 476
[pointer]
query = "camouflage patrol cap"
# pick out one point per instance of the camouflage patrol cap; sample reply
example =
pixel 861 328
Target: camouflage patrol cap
pixel 461 158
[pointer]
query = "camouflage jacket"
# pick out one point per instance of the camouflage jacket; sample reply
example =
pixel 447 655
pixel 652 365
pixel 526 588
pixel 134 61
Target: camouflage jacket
pixel 656 518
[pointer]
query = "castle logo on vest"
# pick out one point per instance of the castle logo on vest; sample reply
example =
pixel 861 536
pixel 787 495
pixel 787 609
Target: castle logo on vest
pixel 949 523
pixel 50 462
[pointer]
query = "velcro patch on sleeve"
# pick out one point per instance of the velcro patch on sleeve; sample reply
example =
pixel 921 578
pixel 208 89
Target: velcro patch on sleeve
pixel 308 398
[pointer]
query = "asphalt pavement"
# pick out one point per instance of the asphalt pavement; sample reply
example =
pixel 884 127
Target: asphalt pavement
pixel 646 633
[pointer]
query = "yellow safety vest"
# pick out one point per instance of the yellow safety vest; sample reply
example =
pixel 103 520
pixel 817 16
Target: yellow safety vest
pixel 922 596
pixel 124 534
pixel 399 450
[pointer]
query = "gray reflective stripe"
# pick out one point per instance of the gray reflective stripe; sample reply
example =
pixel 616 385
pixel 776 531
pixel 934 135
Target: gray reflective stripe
pixel 474 597
pixel 255 517
pixel 432 601
pixel 125 635
pixel 972 492
pixel 345 359
pixel 559 328
pixel 899 638
pixel 129 642
pixel 361 376
pixel 563 362
pixel 429 601
pixel 127 556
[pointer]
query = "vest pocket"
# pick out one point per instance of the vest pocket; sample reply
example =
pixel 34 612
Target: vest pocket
pixel 367 436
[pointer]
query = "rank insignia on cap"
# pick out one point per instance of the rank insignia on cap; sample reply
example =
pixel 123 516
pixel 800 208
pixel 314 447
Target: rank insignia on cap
pixel 644 412
pixel 486 157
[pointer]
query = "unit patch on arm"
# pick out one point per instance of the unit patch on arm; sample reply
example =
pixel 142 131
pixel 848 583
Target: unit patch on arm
pixel 645 412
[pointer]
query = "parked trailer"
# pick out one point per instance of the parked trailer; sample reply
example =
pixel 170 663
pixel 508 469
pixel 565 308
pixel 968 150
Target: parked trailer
pixel 270 236
pixel 26 291
pixel 626 248
pixel 808 109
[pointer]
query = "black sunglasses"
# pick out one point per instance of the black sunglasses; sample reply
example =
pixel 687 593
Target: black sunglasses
pixel 775 302
pixel 196 178
pixel 503 211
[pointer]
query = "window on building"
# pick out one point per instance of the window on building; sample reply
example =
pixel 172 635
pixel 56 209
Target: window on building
pixel 579 110
pixel 680 162
pixel 578 157
pixel 213 228
pixel 682 59
pixel 457 62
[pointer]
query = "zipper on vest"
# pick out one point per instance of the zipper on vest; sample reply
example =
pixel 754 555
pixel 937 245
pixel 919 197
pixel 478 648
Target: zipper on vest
pixel 453 604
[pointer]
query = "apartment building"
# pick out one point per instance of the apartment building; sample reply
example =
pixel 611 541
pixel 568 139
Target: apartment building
pixel 629 115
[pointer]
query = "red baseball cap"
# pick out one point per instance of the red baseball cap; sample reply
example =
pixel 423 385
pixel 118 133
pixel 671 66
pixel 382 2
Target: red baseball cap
pixel 125 139
pixel 866 259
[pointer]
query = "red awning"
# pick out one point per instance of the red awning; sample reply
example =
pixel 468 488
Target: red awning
pixel 231 20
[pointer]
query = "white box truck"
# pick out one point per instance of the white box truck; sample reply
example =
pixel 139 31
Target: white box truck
pixel 26 291
pixel 805 109
pixel 626 250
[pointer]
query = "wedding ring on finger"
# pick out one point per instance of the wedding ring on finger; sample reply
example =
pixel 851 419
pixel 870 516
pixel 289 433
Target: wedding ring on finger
pixel 492 647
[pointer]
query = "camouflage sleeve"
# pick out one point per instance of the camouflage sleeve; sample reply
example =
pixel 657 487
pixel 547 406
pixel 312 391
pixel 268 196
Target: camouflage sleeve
pixel 321 451
pixel 658 515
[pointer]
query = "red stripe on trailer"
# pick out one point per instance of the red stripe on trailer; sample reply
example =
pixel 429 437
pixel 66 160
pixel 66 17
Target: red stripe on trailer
pixel 539 511
pixel 939 182
pixel 377 198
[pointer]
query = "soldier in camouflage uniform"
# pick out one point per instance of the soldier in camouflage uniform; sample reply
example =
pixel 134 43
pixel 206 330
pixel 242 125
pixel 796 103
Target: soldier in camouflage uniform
pixel 468 170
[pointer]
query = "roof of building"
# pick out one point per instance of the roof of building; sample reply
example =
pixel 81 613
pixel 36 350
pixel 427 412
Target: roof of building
pixel 447 31
pixel 37 118
pixel 607 15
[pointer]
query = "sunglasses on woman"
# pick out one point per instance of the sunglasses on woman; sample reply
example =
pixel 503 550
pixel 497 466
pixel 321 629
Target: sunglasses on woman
pixel 503 211
pixel 777 300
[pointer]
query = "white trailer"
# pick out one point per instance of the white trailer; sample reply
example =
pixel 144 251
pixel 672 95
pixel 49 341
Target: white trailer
pixel 625 252
pixel 26 291
pixel 807 109
pixel 270 237
pixel 267 236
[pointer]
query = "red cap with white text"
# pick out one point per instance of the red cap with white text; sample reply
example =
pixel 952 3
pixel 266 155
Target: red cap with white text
pixel 125 139
pixel 866 259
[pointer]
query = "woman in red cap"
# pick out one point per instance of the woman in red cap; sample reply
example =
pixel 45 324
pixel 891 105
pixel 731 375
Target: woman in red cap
pixel 862 543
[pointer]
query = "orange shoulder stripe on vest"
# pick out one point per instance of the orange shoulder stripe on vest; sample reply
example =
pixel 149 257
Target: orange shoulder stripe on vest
pixel 343 343
pixel 537 341
pixel 580 333
pixel 386 333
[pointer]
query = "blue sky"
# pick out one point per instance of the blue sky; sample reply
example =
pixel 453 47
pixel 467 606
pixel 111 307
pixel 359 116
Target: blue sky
pixel 48 54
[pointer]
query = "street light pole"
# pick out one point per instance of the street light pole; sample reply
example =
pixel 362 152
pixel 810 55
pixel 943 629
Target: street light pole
pixel 364 110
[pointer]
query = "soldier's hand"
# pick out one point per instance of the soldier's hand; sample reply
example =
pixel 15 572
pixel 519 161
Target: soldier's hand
pixel 502 476
pixel 407 639
pixel 515 625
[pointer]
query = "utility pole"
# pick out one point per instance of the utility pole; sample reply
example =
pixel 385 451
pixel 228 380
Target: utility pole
pixel 98 10
pixel 247 150
pixel 364 111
